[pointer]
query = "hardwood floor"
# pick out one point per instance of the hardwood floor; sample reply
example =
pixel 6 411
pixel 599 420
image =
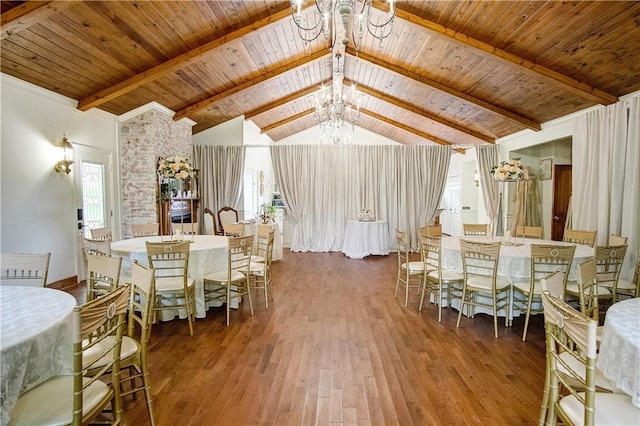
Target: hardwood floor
pixel 335 348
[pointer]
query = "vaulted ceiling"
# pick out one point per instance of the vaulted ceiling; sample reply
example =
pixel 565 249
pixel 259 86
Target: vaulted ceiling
pixel 452 72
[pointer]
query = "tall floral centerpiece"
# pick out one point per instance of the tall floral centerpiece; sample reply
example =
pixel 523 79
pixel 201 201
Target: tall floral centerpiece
pixel 510 170
pixel 172 173
pixel 507 171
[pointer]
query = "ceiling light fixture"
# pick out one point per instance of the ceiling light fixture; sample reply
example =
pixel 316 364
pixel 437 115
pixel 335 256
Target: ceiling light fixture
pixel 337 108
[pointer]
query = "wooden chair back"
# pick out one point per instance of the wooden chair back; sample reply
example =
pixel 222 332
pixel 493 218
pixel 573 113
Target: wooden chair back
pixel 475 228
pixel 210 217
pixel 145 229
pixel 227 215
pixel 576 236
pixel 24 269
pixel 103 275
pixel 529 232
pixel 431 230
pixel 234 229
pixel 100 234
pixel 185 228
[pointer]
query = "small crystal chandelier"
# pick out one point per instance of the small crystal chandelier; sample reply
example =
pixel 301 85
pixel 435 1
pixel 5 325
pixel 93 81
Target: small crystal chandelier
pixel 337 108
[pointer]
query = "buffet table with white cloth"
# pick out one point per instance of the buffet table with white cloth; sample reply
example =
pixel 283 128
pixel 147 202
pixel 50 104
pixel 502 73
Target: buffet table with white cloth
pixel 363 239
pixel 36 340
pixel 515 260
pixel 619 354
pixel 207 253
pixel 251 228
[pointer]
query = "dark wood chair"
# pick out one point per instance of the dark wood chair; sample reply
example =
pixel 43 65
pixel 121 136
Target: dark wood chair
pixel 214 221
pixel 226 215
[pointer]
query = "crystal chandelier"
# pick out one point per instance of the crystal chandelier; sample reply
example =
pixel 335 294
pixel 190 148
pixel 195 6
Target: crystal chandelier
pixel 337 108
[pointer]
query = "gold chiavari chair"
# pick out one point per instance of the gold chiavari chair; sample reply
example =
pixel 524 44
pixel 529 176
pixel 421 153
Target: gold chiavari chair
pixel 145 229
pixel 24 269
pixel 576 236
pixel 475 228
pixel 410 273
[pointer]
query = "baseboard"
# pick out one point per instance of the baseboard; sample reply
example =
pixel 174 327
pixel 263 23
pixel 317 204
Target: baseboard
pixel 64 284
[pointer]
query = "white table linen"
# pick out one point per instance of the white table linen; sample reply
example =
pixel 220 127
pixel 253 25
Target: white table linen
pixel 35 339
pixel 619 354
pixel 252 229
pixel 514 263
pixel 207 253
pixel 363 239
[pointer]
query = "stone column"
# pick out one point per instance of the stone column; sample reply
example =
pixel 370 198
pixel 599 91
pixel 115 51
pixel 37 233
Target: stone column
pixel 147 133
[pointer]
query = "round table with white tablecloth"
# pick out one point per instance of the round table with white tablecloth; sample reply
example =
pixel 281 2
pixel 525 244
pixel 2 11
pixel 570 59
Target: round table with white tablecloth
pixel 207 253
pixel 364 238
pixel 619 353
pixel 36 340
pixel 515 258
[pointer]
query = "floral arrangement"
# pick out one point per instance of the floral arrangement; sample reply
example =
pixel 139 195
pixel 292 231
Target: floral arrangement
pixel 510 170
pixel 267 213
pixel 174 167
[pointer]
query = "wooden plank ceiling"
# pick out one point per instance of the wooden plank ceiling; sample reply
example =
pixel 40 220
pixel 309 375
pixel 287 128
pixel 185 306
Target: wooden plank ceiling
pixel 452 72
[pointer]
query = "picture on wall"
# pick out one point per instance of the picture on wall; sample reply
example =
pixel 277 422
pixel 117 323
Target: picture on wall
pixel 546 168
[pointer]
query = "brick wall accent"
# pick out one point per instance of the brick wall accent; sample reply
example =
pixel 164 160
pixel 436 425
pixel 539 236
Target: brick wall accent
pixel 143 139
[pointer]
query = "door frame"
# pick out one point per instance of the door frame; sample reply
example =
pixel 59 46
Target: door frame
pixel 84 152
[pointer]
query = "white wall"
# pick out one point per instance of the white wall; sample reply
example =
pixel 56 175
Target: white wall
pixel 37 204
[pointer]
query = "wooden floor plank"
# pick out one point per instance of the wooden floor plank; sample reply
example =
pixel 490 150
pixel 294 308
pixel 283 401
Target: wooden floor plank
pixel 335 347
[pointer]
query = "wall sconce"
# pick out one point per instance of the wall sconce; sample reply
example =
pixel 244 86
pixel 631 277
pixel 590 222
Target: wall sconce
pixel 64 165
pixel 476 178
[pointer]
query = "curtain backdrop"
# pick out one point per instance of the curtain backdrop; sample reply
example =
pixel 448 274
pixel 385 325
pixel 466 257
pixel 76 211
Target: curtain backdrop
pixel 606 172
pixel 322 187
pixel 487 158
pixel 220 176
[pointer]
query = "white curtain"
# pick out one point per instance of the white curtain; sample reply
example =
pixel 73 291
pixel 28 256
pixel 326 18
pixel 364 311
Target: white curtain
pixel 606 174
pixel 487 158
pixel 220 176
pixel 323 187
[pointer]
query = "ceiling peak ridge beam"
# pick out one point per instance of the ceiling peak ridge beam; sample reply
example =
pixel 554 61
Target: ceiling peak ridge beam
pixel 176 63
pixel 287 120
pixel 426 114
pixel 575 86
pixel 404 127
pixel 487 106
pixel 28 13
pixel 264 76
pixel 282 101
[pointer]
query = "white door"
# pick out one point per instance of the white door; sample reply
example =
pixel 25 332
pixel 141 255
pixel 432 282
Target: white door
pixel 450 218
pixel 92 195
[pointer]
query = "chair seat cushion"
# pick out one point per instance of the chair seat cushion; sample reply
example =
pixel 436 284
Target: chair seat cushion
pixel 172 284
pixel 572 288
pixel 485 283
pixel 415 267
pixel 447 275
pixel 129 348
pixel 525 287
pixel 257 268
pixel 257 259
pixel 51 402
pixel 610 409
pixel 221 276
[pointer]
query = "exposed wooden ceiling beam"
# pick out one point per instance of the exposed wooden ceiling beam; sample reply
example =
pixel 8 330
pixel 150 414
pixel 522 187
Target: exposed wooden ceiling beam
pixel 410 107
pixel 266 75
pixel 577 87
pixel 404 127
pixel 282 101
pixel 286 120
pixel 509 115
pixel 178 62
pixel 28 13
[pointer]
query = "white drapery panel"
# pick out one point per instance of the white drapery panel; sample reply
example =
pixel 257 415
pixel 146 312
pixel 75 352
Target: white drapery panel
pixel 487 158
pixel 220 176
pixel 324 186
pixel 606 172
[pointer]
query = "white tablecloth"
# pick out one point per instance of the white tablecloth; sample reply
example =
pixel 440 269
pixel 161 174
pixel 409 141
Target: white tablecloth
pixel 619 355
pixel 362 239
pixel 515 260
pixel 252 229
pixel 35 339
pixel 208 253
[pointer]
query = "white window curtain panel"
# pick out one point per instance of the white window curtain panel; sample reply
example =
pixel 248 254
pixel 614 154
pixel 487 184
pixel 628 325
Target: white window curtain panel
pixel 606 174
pixel 324 186
pixel 220 176
pixel 487 158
